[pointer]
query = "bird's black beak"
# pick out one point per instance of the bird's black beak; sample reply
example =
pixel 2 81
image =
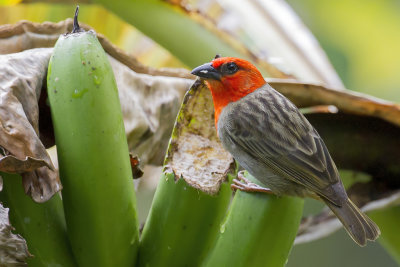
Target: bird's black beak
pixel 207 71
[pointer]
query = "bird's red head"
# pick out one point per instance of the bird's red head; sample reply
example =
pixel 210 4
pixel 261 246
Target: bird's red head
pixel 229 79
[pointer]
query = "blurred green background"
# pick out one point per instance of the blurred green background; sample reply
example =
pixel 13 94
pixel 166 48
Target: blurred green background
pixel 360 37
pixel 337 250
pixel 362 41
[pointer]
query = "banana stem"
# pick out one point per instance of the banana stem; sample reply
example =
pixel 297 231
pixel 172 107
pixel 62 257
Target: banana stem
pixel 182 224
pixel 259 230
pixel 76 27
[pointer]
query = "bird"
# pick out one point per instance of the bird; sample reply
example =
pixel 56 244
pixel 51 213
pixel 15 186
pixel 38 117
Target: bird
pixel 271 139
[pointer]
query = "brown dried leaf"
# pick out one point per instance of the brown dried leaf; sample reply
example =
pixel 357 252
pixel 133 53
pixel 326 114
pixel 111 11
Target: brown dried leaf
pixel 306 95
pixel 19 115
pixel 320 109
pixel 13 248
pixel 12 164
pixel 149 107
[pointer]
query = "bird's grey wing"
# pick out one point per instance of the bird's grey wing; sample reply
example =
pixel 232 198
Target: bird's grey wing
pixel 270 128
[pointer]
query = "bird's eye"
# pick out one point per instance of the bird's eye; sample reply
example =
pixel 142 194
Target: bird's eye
pixel 231 68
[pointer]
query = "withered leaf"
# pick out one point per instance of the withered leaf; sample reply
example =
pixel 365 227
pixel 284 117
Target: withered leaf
pixel 149 106
pixel 19 116
pixel 309 94
pixel 13 248
pixel 12 164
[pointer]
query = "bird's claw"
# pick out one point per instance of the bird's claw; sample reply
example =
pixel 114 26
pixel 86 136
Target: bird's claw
pixel 243 184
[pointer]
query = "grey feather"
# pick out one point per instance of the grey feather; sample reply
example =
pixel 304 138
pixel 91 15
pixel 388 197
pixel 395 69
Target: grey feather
pixel 272 131
pixel 271 139
pixel 358 225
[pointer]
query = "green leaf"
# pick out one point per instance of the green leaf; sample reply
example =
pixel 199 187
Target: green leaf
pixel 171 28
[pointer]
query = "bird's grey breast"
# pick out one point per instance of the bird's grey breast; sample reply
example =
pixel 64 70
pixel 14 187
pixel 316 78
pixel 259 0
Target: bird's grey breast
pixel 264 131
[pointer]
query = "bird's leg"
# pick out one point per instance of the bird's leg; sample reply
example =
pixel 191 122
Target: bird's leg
pixel 242 184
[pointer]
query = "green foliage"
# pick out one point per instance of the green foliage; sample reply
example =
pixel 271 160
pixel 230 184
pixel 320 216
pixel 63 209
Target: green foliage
pixel 166 19
pixel 361 38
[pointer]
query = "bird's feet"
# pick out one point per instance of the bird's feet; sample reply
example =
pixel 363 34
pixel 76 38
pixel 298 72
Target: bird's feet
pixel 242 184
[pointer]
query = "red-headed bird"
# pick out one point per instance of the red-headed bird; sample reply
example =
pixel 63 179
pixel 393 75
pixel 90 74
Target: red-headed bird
pixel 274 142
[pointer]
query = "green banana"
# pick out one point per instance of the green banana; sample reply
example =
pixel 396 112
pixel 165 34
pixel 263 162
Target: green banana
pixel 98 195
pixel 259 230
pixel 182 225
pixel 41 224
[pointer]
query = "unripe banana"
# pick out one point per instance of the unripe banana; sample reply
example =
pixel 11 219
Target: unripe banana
pixel 98 193
pixel 258 231
pixel 42 225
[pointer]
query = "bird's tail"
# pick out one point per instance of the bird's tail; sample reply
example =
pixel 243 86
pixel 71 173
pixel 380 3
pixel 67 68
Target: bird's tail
pixel 359 226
